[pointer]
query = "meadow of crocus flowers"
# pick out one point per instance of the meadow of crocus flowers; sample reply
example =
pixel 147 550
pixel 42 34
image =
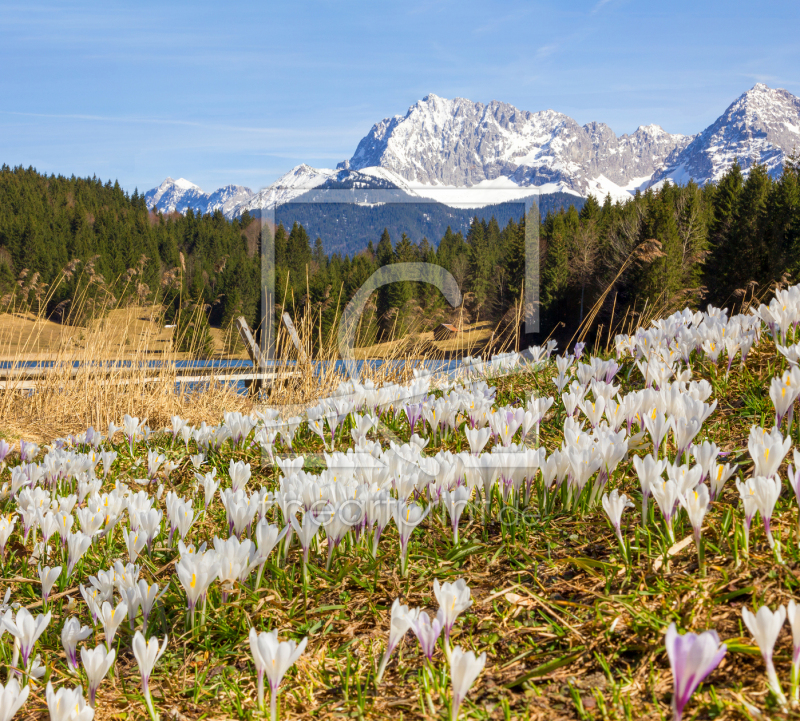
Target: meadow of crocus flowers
pixel 539 536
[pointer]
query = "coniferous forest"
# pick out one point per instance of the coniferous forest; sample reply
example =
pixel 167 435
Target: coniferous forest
pixel 667 248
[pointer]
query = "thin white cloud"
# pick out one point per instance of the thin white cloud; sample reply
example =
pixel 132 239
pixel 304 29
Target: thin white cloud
pixel 599 6
pixel 545 51
pixel 773 81
pixel 138 120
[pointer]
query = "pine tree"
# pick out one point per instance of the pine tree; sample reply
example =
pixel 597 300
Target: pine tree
pixel 298 253
pixel 745 254
pixel 193 332
pixel 555 268
pixel 724 203
pixel 318 256
pixel 480 264
pixel 230 334
pixel 384 256
pixel 783 213
pixel 401 292
pixel 281 259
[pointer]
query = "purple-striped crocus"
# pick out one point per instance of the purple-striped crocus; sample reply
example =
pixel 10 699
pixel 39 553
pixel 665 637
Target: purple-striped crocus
pixel 692 657
pixel 413 413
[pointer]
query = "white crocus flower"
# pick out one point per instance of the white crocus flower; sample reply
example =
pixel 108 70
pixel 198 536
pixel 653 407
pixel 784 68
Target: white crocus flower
pixel 130 594
pixel 455 502
pixel 718 477
pixel 649 470
pixel 765 626
pixel 154 461
pixel 767 490
pixel 305 531
pixel 401 620
pixel 71 634
pixel 147 654
pixel 26 630
pixel 793 614
pixel 210 485
pixel 135 542
pixel 239 472
pixel 233 562
pixel 407 516
pixel 111 618
pixel 684 430
pixel 6 529
pixel 48 576
pixel 705 455
pixel 96 663
pixel 148 595
pixel 464 669
pixel 747 492
pixel 783 397
pixel 67 704
pixel 195 575
pixel 77 544
pixel 767 450
pixel 667 494
pixel 12 698
pixel 614 504
pixel 453 598
pixel 696 504
pixel 657 426
pixel 267 537
pixel 273 658
pixel 594 410
pixel 477 438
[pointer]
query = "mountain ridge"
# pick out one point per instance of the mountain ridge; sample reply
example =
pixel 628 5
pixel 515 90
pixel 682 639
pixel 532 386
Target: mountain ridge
pixel 461 152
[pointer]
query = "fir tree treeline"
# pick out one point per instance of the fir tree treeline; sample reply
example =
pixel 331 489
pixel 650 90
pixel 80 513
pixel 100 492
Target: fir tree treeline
pixel 66 237
pixel 487 264
pixel 676 246
pixel 666 248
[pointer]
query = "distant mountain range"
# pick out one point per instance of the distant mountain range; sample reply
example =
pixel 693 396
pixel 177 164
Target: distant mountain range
pixel 468 154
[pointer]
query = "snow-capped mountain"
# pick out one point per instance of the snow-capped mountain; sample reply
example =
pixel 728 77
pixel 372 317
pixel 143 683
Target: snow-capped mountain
pixel 289 186
pixel 227 199
pixel 459 142
pixel 761 126
pixel 461 152
pixel 180 195
pixel 175 195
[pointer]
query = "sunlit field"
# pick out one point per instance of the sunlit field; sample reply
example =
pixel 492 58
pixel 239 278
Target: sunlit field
pixel 541 535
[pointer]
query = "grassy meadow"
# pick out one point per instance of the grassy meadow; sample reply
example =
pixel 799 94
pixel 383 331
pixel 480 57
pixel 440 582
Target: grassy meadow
pixel 571 622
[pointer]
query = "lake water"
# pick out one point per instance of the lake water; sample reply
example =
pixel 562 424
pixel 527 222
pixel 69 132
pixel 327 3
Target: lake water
pixel 246 366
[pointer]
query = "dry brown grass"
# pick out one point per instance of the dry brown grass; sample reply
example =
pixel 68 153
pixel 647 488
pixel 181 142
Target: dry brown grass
pixel 470 340
pixel 25 334
pixel 86 386
pixel 69 399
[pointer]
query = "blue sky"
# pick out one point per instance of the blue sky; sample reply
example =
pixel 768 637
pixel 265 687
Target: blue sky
pixel 231 92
